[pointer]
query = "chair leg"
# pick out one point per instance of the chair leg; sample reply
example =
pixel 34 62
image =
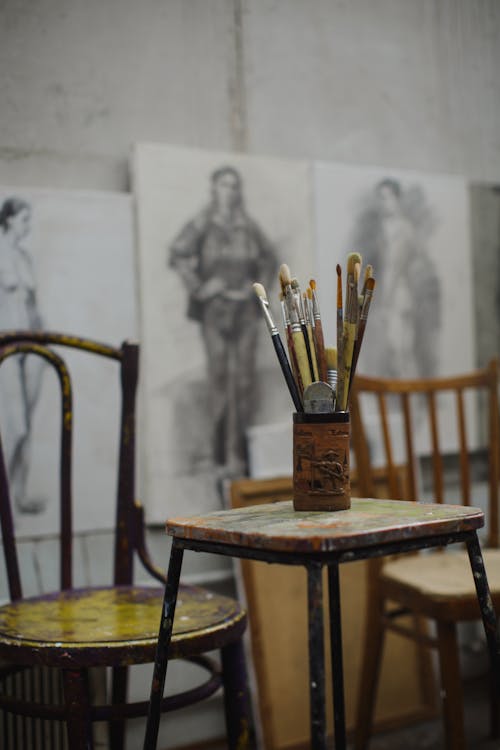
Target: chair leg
pixel 76 697
pixel 451 686
pixel 240 735
pixel 118 695
pixel 370 671
pixel 494 709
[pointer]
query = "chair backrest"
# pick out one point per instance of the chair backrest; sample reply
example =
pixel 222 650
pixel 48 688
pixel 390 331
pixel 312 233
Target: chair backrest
pixel 446 419
pixel 50 347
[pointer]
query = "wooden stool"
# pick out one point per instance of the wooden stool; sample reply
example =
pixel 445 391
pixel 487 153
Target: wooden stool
pixel 275 533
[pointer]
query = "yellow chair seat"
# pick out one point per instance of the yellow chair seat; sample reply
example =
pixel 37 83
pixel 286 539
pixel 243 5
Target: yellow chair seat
pixel 82 626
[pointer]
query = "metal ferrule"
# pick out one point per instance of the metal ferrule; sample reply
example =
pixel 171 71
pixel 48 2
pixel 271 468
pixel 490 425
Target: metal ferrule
pixel 299 304
pixel 307 311
pixel 366 304
pixel 267 315
pixel 286 317
pixel 291 308
pixel 315 307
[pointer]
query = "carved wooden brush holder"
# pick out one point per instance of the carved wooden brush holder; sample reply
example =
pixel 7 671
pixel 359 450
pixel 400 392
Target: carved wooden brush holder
pixel 321 461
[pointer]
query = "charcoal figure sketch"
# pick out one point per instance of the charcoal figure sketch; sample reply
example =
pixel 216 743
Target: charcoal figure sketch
pixel 22 376
pixel 392 232
pixel 218 254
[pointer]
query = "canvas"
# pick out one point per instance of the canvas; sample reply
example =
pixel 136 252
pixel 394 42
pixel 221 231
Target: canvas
pixel 209 368
pixel 75 257
pixel 414 228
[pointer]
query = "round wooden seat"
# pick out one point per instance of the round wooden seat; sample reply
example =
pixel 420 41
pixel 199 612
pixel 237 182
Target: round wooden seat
pixel 113 625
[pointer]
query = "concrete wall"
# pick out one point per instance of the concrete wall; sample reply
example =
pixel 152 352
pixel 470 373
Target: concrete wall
pixel 396 83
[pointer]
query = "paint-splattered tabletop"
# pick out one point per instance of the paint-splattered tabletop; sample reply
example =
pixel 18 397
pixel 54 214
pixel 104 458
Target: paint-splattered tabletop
pixel 278 527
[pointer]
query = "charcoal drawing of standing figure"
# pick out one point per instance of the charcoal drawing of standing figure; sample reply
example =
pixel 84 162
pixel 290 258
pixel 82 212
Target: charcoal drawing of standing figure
pixel 219 254
pixel 22 375
pixel 392 233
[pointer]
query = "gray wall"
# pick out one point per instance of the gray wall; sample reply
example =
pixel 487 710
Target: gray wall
pixel 395 83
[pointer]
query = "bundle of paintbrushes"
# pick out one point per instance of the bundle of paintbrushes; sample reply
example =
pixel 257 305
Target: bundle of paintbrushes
pixel 319 378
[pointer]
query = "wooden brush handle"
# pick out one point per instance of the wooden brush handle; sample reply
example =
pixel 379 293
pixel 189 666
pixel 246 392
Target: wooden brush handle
pixel 312 349
pixel 347 352
pixel 299 343
pixel 287 372
pixel 293 359
pixel 320 350
pixel 308 352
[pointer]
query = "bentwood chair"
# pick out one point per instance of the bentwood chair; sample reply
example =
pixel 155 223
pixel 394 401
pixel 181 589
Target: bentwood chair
pixel 70 630
pixel 435 587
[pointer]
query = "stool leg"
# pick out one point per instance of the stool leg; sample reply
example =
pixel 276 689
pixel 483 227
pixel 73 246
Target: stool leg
pixel 451 686
pixel 336 656
pixel 486 606
pixel 164 637
pixel 316 656
pixel 236 697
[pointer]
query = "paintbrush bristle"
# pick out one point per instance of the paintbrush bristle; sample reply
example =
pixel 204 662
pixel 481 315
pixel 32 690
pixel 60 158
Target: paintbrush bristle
pixel 339 269
pixel 331 357
pixel 312 284
pixel 260 291
pixel 285 275
pixel 368 272
pixel 309 292
pixel 352 259
pixel 357 271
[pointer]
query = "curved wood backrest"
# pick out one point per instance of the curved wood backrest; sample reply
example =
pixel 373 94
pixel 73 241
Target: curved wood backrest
pixel 128 534
pixel 485 381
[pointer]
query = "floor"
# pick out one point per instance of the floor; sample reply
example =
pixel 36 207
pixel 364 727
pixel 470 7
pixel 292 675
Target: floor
pixel 429 735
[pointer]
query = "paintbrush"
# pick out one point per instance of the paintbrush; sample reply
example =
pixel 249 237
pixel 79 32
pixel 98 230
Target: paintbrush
pixel 297 295
pixel 356 309
pixel 299 341
pixel 340 336
pixel 369 287
pixel 278 346
pixel 367 275
pixel 350 325
pixel 310 332
pixel 319 341
pixel 289 342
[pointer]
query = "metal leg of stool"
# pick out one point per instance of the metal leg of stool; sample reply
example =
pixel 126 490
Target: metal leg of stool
pixel 486 605
pixel 316 656
pixel 164 637
pixel 336 656
pixel 240 735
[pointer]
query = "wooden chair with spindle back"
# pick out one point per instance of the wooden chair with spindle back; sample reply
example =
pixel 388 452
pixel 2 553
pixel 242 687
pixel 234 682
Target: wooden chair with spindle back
pixel 437 585
pixel 70 630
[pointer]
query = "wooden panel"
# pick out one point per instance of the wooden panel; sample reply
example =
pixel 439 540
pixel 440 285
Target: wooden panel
pixel 276 597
